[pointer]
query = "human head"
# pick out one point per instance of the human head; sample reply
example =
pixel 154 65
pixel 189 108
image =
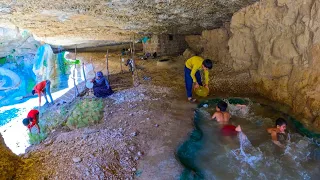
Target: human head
pixel 99 74
pixel 281 124
pixel 207 64
pixel 26 121
pixel 222 106
pixel 33 91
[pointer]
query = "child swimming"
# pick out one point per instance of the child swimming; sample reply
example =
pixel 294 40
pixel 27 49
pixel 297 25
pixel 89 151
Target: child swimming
pixel 221 115
pixel 279 130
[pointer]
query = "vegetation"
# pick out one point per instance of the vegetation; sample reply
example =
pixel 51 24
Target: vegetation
pixel 36 138
pixel 86 112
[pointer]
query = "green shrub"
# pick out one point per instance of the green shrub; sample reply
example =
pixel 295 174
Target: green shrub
pixel 36 138
pixel 86 112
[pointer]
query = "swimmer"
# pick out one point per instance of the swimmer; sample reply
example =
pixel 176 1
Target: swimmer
pixel 221 115
pixel 280 128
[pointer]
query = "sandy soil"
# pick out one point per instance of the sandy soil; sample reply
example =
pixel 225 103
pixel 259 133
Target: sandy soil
pixel 138 135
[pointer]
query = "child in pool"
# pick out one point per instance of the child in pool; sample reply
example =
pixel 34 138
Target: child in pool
pixel 279 130
pixel 221 115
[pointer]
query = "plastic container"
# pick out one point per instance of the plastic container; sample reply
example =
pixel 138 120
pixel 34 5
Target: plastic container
pixel 202 91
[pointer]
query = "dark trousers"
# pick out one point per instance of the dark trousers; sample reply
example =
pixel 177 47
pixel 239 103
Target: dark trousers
pixel 189 81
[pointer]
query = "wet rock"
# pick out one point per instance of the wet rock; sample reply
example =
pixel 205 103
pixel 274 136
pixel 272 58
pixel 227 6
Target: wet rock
pixel 76 159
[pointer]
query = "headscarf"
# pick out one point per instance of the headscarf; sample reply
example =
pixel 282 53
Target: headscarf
pixel 99 74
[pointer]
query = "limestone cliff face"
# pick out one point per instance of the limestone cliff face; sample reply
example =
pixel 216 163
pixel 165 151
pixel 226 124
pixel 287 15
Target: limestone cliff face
pixel 212 44
pixel 9 162
pixel 278 42
pixel 16 42
pixel 94 22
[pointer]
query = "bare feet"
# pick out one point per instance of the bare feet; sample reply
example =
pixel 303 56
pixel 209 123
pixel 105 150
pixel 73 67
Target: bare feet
pixel 190 99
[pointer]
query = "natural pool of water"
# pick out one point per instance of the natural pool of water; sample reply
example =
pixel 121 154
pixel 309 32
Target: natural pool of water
pixel 209 155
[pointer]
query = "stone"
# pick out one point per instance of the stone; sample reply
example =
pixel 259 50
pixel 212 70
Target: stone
pixel 195 44
pixel 188 53
pixel 76 159
pixel 280 52
pixel 133 169
pixel 134 133
pixel 140 153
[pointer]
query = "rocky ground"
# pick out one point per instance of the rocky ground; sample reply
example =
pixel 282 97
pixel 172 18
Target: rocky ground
pixel 137 137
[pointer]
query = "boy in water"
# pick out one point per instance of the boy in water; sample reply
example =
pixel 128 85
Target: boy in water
pixel 32 120
pixel 221 114
pixel 223 117
pixel 280 128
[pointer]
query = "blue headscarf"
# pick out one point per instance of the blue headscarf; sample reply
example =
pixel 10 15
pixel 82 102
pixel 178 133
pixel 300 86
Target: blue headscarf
pixel 99 78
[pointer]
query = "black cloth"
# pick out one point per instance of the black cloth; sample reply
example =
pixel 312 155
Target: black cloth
pixel 101 90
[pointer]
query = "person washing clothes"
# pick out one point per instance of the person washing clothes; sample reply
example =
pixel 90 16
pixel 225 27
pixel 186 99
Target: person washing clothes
pixel 192 74
pixel 101 87
pixel 43 88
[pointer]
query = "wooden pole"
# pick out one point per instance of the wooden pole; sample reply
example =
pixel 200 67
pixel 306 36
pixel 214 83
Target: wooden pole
pixel 120 57
pixel 84 73
pixel 134 63
pixel 108 65
pixel 76 92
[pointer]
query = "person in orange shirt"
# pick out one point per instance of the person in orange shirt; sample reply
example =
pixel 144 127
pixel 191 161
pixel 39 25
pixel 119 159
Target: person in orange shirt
pixel 32 120
pixel 44 88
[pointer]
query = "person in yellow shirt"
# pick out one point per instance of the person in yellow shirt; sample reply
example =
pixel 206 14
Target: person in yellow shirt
pixel 192 74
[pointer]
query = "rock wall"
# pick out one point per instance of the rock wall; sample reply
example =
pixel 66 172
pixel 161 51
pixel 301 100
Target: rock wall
pixel 166 44
pixel 9 162
pixel 278 42
pixel 16 42
pixel 212 44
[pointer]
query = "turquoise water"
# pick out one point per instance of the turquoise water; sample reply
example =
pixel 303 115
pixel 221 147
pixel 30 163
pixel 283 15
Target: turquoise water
pixel 251 154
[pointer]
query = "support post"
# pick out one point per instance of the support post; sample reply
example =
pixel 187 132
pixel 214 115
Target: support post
pixel 76 91
pixel 107 56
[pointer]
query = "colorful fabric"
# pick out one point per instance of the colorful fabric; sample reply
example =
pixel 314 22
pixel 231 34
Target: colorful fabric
pixel 144 39
pixel 229 130
pixel 195 64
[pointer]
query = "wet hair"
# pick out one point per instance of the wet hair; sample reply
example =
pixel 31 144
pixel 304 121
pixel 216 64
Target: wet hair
pixel 207 63
pixel 222 106
pixel 26 121
pixel 33 91
pixel 280 122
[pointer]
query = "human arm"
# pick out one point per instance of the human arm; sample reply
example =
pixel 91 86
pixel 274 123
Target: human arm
pixel 38 127
pixel 39 95
pixel 275 139
pixel 193 76
pixel 206 79
pixel 214 116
